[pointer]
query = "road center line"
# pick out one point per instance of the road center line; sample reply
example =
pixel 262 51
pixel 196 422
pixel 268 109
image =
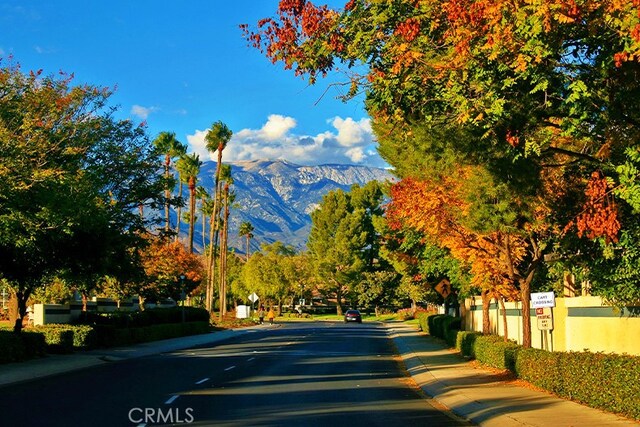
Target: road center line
pixel 171 399
pixel 230 368
pixel 250 359
pixel 202 380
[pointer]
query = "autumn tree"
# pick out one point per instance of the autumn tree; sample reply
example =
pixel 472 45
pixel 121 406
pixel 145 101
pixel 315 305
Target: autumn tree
pixel 164 264
pixel 523 80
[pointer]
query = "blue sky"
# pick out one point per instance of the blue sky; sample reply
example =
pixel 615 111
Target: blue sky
pixel 181 66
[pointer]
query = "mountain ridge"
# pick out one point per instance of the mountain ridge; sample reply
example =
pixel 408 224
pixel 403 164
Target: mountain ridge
pixel 277 197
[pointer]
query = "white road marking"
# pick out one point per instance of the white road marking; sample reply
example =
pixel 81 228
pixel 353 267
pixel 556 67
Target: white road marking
pixel 171 400
pixel 250 359
pixel 230 368
pixel 203 380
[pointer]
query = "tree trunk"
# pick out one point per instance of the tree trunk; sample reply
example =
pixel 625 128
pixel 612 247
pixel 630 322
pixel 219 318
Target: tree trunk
pixel 192 211
pixel 167 193
pixel 525 294
pixel 223 254
pixel 18 309
pixel 486 303
pixel 213 231
pixel 504 320
pixel 179 209
pixel 339 300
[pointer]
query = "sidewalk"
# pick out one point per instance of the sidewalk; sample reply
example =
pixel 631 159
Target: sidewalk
pixel 480 396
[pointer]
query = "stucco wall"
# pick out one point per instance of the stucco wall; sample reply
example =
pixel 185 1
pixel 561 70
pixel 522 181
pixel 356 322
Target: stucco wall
pixel 580 323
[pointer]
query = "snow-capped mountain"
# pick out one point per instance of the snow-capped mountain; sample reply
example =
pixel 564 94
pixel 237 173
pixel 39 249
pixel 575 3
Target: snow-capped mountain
pixel 277 197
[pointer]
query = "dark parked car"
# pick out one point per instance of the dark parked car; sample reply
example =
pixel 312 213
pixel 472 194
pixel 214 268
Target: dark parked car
pixel 352 316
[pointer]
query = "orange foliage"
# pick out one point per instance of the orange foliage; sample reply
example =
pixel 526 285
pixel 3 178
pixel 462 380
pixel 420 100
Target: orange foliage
pixel 600 215
pixel 164 263
pixel 433 208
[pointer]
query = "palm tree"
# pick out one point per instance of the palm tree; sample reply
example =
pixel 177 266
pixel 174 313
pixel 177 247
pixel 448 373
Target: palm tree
pixel 227 199
pixel 246 230
pixel 167 144
pixel 189 167
pixel 205 210
pixel 216 138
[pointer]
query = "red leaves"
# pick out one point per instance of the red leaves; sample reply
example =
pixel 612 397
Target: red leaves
pixel 291 6
pixel 409 29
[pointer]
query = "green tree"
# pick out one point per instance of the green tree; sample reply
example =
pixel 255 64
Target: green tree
pixel 342 241
pixel 71 182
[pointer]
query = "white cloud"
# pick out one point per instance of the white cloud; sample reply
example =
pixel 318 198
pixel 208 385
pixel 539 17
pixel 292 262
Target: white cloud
pixel 349 142
pixel 142 112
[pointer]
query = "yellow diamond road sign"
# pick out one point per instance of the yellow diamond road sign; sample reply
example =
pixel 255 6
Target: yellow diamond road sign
pixel 443 288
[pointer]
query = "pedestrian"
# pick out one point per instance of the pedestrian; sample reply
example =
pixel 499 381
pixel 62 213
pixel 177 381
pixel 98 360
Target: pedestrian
pixel 271 315
pixel 261 314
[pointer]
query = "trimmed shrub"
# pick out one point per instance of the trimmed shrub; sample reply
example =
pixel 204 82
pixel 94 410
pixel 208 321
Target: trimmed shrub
pixel 465 341
pixel 605 381
pixel 493 351
pixel 18 347
pixel 59 339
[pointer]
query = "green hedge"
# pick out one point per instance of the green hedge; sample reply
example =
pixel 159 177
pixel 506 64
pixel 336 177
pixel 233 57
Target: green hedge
pixel 63 338
pixel 441 326
pixel 465 341
pixel 152 316
pixel 605 381
pixel 20 347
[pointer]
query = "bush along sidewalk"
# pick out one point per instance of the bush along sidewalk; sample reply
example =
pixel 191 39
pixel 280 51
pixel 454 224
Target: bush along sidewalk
pixel 610 382
pixel 101 331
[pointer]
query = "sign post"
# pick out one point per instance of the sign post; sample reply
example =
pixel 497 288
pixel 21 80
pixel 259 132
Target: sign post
pixel 544 302
pixel 253 298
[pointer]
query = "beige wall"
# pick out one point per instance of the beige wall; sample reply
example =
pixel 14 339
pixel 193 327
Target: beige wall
pixel 580 323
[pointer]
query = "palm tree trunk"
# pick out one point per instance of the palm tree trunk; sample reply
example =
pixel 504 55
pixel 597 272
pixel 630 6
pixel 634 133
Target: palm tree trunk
pixel 223 254
pixel 192 211
pixel 213 232
pixel 179 209
pixel 167 193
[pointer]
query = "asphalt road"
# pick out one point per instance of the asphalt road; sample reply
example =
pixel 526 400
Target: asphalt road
pixel 305 374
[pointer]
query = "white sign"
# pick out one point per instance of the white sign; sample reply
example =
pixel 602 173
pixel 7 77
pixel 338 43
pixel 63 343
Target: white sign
pixel 253 297
pixel 543 299
pixel 545 318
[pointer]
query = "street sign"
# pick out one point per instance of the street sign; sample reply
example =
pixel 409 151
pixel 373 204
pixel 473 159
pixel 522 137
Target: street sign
pixel 443 288
pixel 545 318
pixel 543 299
pixel 253 297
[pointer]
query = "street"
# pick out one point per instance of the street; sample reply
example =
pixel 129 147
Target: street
pixel 292 374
